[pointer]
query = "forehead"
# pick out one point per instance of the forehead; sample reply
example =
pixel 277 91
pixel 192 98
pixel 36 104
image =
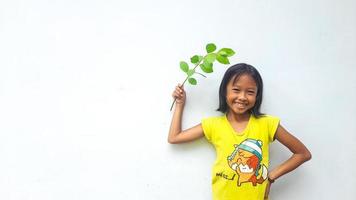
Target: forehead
pixel 244 80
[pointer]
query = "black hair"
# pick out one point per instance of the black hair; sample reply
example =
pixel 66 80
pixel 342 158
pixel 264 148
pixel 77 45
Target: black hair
pixel 235 72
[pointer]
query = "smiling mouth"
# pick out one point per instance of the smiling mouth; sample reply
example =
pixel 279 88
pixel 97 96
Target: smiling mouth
pixel 240 105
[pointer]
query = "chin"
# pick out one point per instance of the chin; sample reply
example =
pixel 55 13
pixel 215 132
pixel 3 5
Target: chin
pixel 241 112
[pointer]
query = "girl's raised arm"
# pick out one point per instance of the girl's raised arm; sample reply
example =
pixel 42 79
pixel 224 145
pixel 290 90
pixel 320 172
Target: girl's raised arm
pixel 176 135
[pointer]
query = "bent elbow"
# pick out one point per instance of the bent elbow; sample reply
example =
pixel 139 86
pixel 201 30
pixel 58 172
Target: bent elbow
pixel 307 156
pixel 171 141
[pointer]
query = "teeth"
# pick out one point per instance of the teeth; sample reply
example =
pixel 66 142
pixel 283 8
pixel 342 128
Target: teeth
pixel 240 105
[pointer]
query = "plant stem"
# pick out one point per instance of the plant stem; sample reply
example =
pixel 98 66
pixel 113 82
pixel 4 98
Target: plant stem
pixel 201 74
pixel 196 65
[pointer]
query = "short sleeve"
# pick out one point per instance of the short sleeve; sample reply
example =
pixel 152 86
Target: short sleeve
pixel 206 124
pixel 273 123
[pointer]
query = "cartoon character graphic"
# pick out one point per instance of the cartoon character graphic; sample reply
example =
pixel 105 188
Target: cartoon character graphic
pixel 245 160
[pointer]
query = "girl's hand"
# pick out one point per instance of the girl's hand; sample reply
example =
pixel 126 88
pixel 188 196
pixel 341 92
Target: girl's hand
pixel 268 187
pixel 179 95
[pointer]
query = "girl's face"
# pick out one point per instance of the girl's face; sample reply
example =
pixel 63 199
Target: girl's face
pixel 241 95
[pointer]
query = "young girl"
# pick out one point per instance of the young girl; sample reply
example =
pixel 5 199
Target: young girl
pixel 241 137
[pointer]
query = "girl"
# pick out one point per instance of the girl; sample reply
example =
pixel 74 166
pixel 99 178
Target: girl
pixel 241 137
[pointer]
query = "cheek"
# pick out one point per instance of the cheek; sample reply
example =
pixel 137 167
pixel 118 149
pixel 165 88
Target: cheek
pixel 253 99
pixel 229 98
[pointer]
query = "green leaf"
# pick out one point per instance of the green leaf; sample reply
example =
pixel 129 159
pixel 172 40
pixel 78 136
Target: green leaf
pixel 210 47
pixel 222 59
pixel 222 53
pixel 184 66
pixel 227 51
pixel 190 72
pixel 211 57
pixel 192 81
pixel 207 67
pixel 195 59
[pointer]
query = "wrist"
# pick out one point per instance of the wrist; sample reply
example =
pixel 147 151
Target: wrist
pixel 179 105
pixel 270 180
pixel 271 177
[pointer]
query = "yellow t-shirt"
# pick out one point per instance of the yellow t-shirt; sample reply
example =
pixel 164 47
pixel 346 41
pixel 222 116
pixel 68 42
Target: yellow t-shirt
pixel 240 169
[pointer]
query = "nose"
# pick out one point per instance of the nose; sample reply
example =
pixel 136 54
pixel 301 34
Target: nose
pixel 242 96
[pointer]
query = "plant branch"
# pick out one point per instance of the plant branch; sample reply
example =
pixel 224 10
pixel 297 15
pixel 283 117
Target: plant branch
pixel 200 74
pixel 196 65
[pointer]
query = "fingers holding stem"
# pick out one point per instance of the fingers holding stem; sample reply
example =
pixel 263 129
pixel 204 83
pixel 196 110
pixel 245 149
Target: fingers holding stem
pixel 179 94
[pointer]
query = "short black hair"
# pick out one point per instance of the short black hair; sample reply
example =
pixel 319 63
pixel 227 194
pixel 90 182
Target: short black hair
pixel 235 72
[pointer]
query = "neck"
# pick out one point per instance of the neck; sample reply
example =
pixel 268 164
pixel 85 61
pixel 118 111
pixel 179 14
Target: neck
pixel 238 117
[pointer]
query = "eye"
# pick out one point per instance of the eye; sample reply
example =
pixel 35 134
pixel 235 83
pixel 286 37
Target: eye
pixel 251 92
pixel 236 89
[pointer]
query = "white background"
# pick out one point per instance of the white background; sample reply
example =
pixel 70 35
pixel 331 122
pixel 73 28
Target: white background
pixel 85 91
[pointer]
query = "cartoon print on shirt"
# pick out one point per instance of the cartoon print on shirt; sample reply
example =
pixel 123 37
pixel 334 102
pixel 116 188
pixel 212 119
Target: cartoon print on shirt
pixel 245 160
